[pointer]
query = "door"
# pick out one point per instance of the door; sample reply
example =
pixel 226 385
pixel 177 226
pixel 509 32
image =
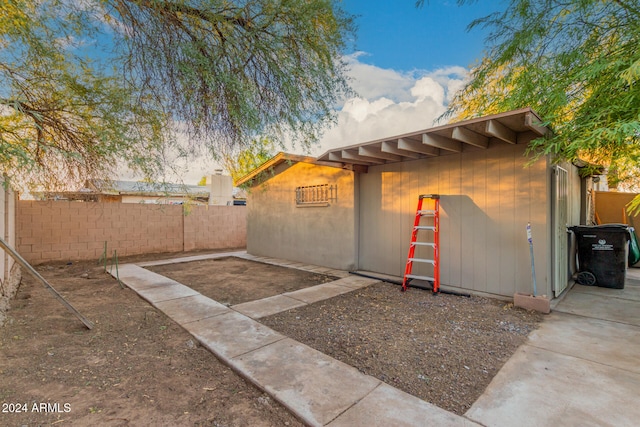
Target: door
pixel 560 245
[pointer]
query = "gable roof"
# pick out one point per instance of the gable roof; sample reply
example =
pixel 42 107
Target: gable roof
pixel 273 162
pixel 513 127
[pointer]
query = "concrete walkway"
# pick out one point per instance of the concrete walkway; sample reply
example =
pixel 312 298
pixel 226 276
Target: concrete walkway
pixel 579 368
pixel 318 389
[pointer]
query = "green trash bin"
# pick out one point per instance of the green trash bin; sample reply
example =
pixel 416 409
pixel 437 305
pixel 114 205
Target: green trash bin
pixel 602 254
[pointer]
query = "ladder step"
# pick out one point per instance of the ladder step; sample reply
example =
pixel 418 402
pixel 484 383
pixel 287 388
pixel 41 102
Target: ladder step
pixel 423 244
pixel 425 227
pixel 413 276
pixel 430 261
pixel 427 213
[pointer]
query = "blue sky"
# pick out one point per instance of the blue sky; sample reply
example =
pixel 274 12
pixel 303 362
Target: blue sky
pixel 407 64
pixel 397 35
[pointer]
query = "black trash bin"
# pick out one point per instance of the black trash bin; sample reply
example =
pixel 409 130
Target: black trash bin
pixel 602 254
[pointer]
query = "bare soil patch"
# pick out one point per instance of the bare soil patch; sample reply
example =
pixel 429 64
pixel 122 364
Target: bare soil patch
pixel 444 349
pixel 232 280
pixel 135 367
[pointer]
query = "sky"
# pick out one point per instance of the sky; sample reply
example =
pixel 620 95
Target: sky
pixel 405 65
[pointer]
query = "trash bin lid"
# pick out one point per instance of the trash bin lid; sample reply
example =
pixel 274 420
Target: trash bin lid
pixel 602 227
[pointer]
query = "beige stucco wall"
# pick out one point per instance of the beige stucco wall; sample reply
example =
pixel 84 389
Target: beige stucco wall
pixel 317 235
pixel 62 230
pixel 487 198
pixel 10 273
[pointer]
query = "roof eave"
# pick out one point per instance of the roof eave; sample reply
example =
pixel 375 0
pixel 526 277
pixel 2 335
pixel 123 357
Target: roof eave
pixel 276 160
pixel 509 127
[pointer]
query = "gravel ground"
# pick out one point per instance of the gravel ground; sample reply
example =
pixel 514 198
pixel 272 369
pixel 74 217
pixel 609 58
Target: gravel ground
pixel 444 349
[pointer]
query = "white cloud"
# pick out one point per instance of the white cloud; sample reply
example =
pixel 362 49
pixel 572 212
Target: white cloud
pixel 390 103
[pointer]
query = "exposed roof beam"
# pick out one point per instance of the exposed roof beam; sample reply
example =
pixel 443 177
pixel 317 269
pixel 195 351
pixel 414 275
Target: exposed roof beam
pixel 417 147
pixel 336 157
pixel 392 148
pixel 469 137
pixel 500 131
pixel 442 142
pixel 533 123
pixel 378 154
pixel 348 155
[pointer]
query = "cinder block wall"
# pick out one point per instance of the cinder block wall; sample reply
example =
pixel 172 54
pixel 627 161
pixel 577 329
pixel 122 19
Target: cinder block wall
pixel 215 227
pixel 60 231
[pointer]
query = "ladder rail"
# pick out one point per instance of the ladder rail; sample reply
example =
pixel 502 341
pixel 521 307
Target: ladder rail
pixel 435 244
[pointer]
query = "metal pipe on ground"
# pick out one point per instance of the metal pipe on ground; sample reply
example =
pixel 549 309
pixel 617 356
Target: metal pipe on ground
pixel 24 264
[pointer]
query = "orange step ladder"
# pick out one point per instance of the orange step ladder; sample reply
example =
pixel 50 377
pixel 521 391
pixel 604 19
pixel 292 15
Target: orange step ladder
pixel 435 244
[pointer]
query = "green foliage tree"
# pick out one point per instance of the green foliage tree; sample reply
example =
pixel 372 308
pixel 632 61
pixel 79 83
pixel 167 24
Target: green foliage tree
pixel 577 63
pixel 61 119
pixel 221 71
pixel 246 160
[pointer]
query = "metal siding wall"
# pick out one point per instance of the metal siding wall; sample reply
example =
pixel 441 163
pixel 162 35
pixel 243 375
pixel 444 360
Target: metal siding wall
pixel 488 196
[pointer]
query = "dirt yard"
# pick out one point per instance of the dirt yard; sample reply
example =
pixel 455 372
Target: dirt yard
pixel 444 349
pixel 136 367
pixel 232 280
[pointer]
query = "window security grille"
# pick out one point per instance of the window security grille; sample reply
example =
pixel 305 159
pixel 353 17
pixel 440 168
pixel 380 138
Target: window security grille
pixel 316 195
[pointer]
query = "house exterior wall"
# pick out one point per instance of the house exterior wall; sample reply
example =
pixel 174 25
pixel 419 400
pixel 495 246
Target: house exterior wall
pixel 611 208
pixel 487 199
pixel 323 235
pixel 62 230
pixel 10 272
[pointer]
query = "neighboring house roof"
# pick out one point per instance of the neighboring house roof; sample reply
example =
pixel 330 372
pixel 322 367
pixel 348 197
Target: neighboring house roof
pixel 135 188
pixel 513 127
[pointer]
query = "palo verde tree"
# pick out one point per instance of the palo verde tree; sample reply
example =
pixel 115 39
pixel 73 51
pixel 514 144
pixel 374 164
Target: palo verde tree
pixel 61 118
pixel 86 84
pixel 575 62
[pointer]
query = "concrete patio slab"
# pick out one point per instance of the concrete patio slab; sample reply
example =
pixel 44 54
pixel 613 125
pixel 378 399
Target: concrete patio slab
pixel 267 306
pixel 314 386
pixel 537 387
pixel 388 406
pixel 606 308
pixel 601 341
pixel 630 291
pixel 191 309
pixel 319 292
pixel 232 334
pixel 165 292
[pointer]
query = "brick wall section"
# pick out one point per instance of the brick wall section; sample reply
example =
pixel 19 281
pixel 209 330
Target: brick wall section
pixel 61 231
